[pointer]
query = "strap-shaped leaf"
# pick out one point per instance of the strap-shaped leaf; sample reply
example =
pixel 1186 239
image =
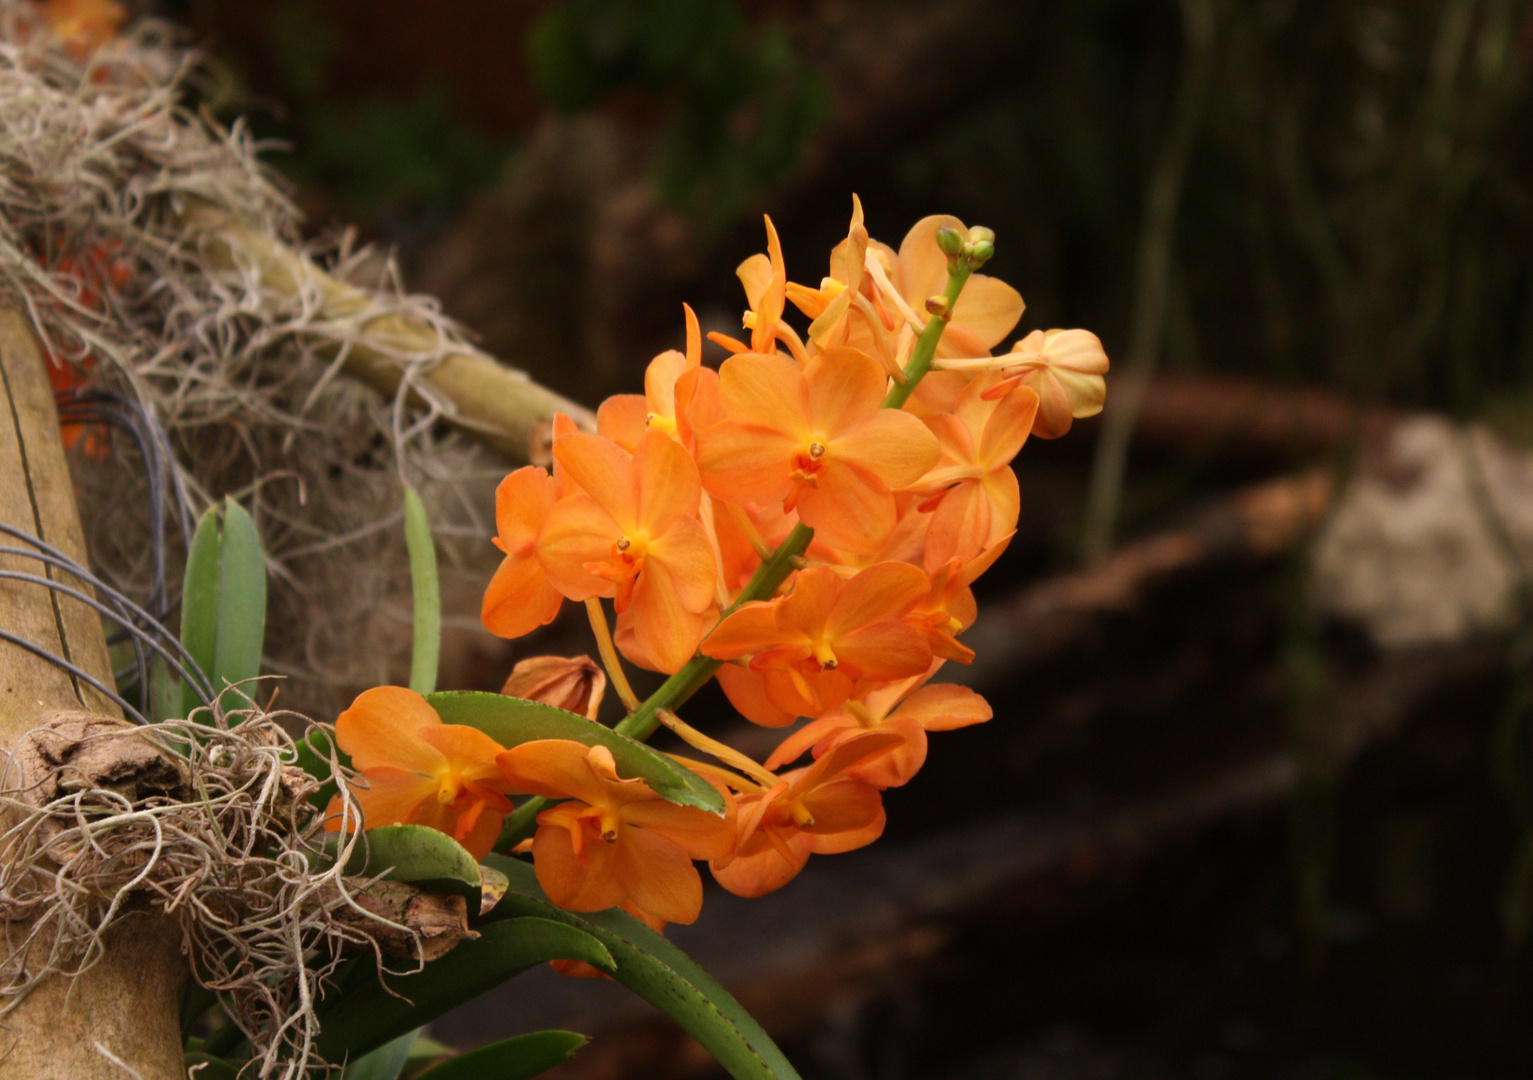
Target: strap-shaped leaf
pixel 241 600
pixel 427 645
pixel 520 1058
pixel 223 600
pixel 368 1016
pixel 511 721
pixel 419 855
pixel 199 602
pixel 384 1063
pixel 660 973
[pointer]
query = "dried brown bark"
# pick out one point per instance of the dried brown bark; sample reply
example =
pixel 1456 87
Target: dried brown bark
pixel 125 1009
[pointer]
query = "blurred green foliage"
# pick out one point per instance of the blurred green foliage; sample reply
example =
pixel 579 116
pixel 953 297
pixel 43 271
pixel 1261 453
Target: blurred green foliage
pixel 1358 210
pixel 742 104
pixel 374 155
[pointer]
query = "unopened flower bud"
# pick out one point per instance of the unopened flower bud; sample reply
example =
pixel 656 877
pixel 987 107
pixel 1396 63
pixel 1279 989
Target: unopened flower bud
pixel 938 306
pixel 980 251
pixel 978 233
pixel 950 241
pixel 575 684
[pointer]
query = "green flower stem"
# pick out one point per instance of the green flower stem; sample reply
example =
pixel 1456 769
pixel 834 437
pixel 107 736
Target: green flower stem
pixel 920 361
pixel 675 691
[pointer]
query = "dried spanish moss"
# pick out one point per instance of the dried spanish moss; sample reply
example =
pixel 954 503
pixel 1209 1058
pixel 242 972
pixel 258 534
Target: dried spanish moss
pixel 208 822
pixel 99 162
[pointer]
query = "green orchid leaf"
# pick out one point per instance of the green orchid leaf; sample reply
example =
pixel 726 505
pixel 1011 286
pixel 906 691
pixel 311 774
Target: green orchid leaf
pixel 367 1015
pixel 241 602
pixel 511 721
pixel 427 645
pixel 384 1063
pixel 199 602
pixel 223 602
pixel 660 973
pixel 418 855
pixel 520 1058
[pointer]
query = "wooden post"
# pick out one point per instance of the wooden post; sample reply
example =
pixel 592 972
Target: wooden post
pixel 125 1008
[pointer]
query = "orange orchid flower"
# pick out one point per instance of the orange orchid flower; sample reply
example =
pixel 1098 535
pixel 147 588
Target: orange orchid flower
pixel 908 708
pixel 420 771
pixel 520 597
pixel 819 810
pixel 816 439
pixel 948 608
pixel 614 842
pixel 670 383
pixel 632 533
pixel 840 303
pixel 765 278
pixel 816 646
pixel 977 500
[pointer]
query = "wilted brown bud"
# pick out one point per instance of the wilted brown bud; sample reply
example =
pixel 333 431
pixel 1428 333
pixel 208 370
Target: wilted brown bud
pixel 573 683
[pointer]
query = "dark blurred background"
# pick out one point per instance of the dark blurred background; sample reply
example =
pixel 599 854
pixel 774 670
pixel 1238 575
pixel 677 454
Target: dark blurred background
pixel 1258 797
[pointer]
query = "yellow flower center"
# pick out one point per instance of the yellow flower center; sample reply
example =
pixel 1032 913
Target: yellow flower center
pixel 657 422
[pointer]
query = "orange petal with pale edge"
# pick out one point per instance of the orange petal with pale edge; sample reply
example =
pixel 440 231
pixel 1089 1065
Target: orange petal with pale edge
pixel 660 381
pixel 848 814
pixel 849 508
pixel 577 532
pixel 893 445
pixel 522 500
pixel 764 390
pixel 697 832
pixel 922 265
pixel 885 650
pixel 668 487
pixel 392 796
pixel 896 767
pixel 746 691
pixel 1008 427
pixel 623 419
pixel 665 631
pixel 883 591
pixel 604 470
pixel 468 749
pixel 845 387
pixel 945 707
pixel 750 629
pixel 553 768
pixel 959 525
pixel 657 876
pixel 382 728
pixel 765 870
pixel 746 464
pixel 755 273
pixel 588 884
pixel 519 598
pixel 798 743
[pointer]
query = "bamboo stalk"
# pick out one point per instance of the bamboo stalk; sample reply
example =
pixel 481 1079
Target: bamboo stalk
pixel 125 1008
pixel 498 404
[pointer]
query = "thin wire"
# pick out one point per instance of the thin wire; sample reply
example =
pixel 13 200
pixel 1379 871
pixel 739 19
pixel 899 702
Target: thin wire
pixel 122 611
pixel 76 671
pixel 54 557
pixel 90 601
